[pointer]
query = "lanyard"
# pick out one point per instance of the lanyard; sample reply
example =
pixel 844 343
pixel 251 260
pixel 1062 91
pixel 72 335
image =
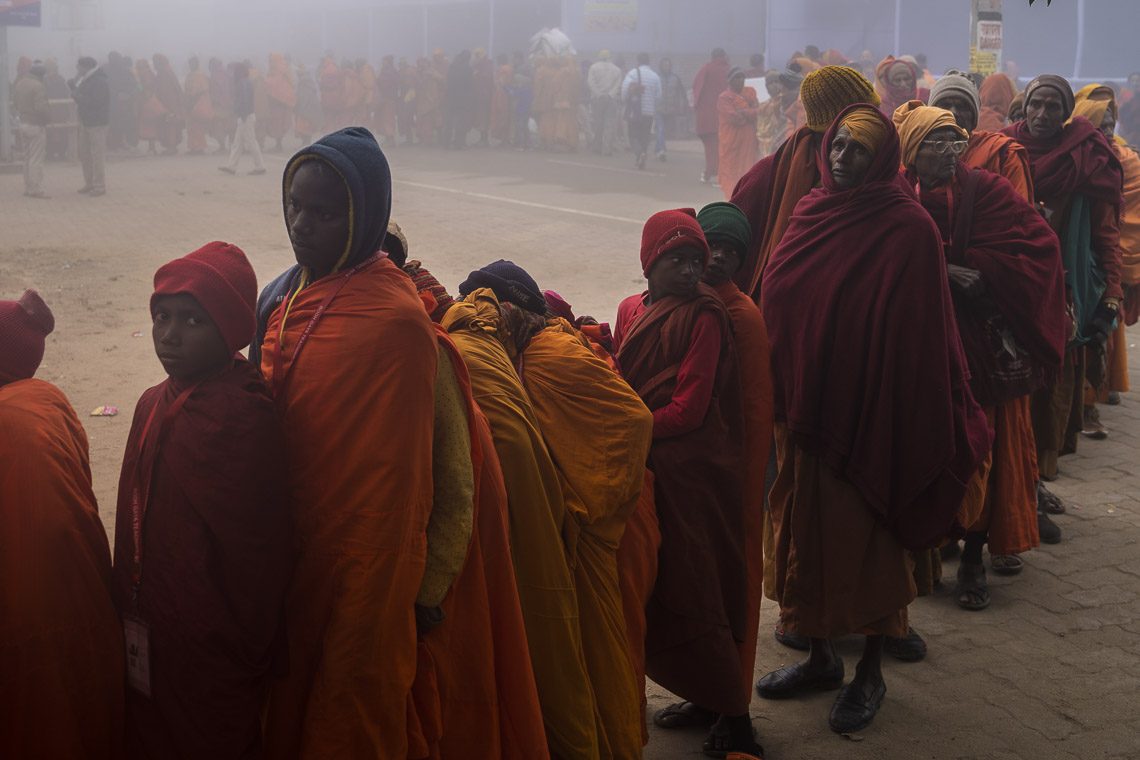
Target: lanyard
pixel 280 372
pixel 140 494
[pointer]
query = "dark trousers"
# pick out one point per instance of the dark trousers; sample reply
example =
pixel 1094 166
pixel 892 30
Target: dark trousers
pixel 640 127
pixel 712 154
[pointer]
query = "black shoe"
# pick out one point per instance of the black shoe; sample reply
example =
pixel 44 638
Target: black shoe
pixel 1047 529
pixel 1113 398
pixel 794 679
pixel 1049 502
pixel 791 640
pixel 852 711
pixel 1093 428
pixel 910 648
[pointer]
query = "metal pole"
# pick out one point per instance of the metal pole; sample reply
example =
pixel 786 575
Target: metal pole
pixel 425 16
pixel 1080 39
pixel 898 28
pixel 5 116
pixel 491 32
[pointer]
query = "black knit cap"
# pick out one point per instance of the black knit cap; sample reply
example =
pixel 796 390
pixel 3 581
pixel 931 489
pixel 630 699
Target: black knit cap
pixel 510 282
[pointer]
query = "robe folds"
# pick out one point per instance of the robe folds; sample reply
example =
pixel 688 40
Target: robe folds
pixel 61 641
pixel 862 335
pixel 1002 155
pixel 536 520
pixel 767 194
pixel 216 558
pixel 474 695
pixel 598 433
pixel 357 409
pixel 736 136
pixel 753 353
pixel 697 616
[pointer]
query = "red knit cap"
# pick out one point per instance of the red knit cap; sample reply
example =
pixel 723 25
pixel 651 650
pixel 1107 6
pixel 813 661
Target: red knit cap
pixel 668 230
pixel 220 278
pixel 23 326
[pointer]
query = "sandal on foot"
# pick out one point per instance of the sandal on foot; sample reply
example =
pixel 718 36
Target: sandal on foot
pixel 1049 502
pixel 972 593
pixel 910 648
pixel 723 742
pixel 683 715
pixel 791 639
pixel 1006 564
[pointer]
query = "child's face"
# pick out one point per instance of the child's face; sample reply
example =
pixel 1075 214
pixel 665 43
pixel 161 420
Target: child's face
pixel 186 340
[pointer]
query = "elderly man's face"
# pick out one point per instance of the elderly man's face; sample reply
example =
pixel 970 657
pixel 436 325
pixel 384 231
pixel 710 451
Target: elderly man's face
pixel 963 110
pixel 901 76
pixel 1045 112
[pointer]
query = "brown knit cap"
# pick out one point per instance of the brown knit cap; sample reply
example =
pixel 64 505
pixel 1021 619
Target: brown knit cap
pixel 827 91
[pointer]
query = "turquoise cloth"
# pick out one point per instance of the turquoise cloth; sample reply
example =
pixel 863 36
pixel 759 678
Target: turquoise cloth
pixel 1084 276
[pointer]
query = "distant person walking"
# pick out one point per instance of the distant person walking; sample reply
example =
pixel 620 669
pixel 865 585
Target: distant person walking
pixel 29 98
pixel 603 79
pixel 709 83
pixel 641 92
pixel 92 93
pixel 245 136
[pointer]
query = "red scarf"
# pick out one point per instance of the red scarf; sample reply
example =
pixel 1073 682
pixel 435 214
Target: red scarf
pixel 1079 160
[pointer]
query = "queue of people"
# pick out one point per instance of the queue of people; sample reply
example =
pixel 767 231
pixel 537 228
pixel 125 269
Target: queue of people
pixel 420 522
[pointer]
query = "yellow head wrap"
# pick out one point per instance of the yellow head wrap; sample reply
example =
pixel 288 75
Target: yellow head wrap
pixel 915 121
pixel 866 128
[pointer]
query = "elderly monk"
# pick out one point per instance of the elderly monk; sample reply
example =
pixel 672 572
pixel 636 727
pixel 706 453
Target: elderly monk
pixel 675 347
pixel 1077 181
pixel 61 642
pixel 1097 103
pixel 1103 112
pixel 770 190
pixel 991 151
pixel 994 96
pixel 737 108
pixel 877 433
pixel 537 512
pixel 1004 267
pixel 361 493
pixel 598 433
pixel 896 81
pixel 729 236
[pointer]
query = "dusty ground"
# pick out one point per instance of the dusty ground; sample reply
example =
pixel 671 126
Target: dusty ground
pixel 1051 670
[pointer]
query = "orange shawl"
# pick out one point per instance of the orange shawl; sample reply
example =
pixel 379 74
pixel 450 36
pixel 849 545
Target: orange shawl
pixel 358 438
pixel 61 642
pixel 1001 155
pixel 737 136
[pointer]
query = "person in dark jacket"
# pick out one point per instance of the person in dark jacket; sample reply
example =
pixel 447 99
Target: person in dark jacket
pixel 92 94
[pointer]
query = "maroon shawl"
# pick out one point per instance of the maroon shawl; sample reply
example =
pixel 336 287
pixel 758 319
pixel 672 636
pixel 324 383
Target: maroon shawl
pixel 698 609
pixel 711 80
pixel 1080 160
pixel 995 231
pixel 867 362
pixel 216 561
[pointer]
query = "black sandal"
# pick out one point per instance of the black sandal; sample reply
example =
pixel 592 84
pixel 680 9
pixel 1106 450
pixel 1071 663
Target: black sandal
pixel 973 593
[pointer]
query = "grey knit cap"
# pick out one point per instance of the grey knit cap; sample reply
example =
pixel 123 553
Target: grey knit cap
pixel 954 82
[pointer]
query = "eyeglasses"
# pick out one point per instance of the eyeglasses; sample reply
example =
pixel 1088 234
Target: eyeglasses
pixel 942 147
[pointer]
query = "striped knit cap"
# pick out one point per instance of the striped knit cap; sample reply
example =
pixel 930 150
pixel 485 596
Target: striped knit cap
pixel 827 91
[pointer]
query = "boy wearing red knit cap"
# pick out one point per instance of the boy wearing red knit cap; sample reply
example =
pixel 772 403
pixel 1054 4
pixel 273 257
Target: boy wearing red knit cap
pixel 202 531
pixel 61 650
pixel 675 348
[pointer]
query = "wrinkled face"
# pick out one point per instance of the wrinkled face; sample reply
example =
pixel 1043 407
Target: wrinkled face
pixel 1045 112
pixel 849 160
pixel 900 76
pixel 963 110
pixel 186 340
pixel 933 166
pixel 316 215
pixel 724 261
pixel 677 273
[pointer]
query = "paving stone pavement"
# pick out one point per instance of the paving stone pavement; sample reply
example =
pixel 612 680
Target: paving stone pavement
pixel 1050 670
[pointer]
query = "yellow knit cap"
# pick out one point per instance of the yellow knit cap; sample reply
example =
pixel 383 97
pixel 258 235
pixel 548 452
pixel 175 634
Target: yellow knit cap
pixel 827 91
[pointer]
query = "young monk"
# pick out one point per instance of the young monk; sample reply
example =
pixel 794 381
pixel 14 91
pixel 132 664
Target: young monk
pixel 675 348
pixel 598 433
pixel 61 643
pixel 729 236
pixel 202 530
pixel 1004 268
pixel 358 436
pixel 876 431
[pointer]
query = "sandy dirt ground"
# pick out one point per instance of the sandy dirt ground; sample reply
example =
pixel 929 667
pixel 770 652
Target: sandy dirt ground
pixel 1050 670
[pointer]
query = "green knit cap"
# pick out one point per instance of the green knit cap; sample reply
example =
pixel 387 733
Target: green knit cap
pixel 724 222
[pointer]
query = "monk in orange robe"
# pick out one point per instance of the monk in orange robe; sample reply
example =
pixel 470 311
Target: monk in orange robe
pixel 199 108
pixel 358 437
pixel 567 92
pixel 501 100
pixel 282 95
pixel 995 97
pixel 737 109
pixel 61 641
pixel 728 234
pixel 598 432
